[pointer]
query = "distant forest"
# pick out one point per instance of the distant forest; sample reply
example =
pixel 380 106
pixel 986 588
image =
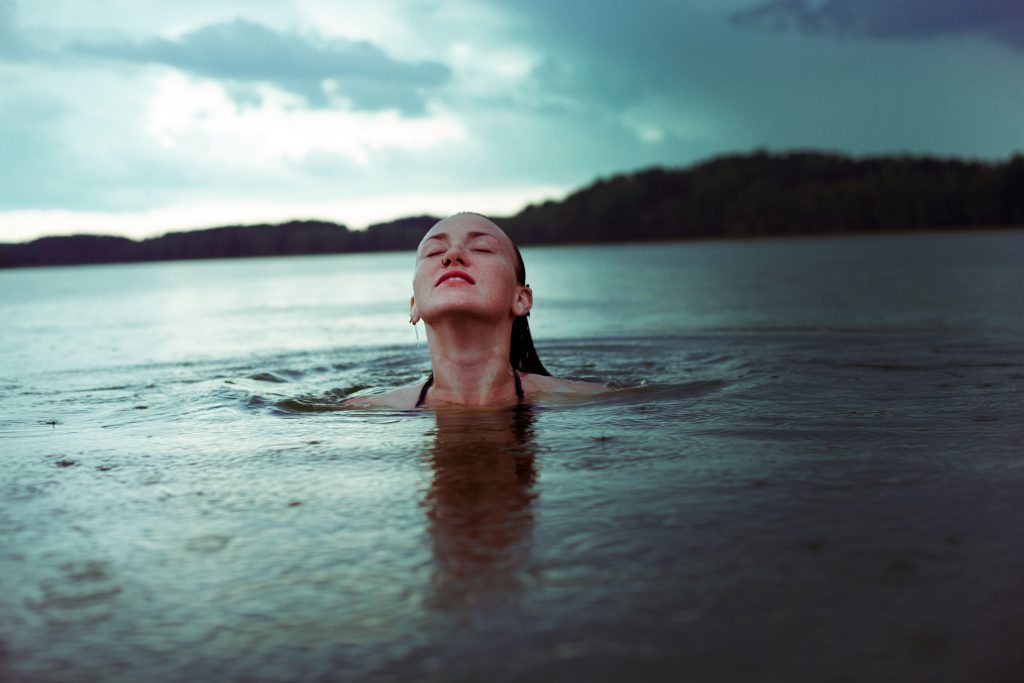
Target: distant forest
pixel 758 194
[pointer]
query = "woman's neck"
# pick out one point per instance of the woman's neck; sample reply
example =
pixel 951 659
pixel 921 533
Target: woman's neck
pixel 470 362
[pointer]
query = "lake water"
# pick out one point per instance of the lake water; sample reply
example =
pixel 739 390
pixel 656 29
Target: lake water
pixel 812 470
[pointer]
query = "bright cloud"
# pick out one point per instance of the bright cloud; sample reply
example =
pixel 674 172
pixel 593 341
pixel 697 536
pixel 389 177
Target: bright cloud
pixel 249 52
pixel 200 117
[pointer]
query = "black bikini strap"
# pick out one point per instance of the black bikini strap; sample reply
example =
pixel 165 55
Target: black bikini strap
pixel 424 390
pixel 520 394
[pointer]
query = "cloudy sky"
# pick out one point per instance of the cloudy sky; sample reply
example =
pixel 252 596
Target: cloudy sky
pixel 136 117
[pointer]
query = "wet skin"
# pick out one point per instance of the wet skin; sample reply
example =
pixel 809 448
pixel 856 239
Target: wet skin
pixel 466 292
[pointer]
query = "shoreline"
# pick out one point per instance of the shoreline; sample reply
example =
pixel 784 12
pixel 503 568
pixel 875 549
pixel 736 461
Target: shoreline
pixel 897 232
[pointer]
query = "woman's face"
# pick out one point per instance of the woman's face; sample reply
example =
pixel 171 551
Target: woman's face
pixel 466 265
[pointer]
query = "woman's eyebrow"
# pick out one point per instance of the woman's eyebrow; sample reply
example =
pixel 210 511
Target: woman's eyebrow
pixel 441 236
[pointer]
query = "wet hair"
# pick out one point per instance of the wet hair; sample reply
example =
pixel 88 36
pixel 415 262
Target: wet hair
pixel 521 353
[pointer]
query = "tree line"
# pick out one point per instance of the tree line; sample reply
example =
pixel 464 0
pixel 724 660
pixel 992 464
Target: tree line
pixel 758 194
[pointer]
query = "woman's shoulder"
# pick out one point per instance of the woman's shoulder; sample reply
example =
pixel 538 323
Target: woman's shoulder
pixel 404 398
pixel 547 384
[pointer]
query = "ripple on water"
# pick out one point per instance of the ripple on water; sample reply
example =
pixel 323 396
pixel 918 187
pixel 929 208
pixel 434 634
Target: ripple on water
pixel 207 544
pixel 328 401
pixel 80 592
pixel 268 377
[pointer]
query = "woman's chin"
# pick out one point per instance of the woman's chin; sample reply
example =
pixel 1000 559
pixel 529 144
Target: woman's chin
pixel 468 312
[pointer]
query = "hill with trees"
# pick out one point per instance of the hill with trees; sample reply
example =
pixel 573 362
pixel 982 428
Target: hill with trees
pixel 759 194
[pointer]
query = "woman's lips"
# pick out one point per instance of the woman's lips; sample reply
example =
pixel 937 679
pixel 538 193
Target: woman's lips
pixel 455 277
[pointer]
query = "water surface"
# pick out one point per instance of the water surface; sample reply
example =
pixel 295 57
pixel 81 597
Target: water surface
pixel 812 471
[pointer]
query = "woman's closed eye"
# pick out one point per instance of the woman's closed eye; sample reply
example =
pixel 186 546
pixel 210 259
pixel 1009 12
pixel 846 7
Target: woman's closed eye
pixel 481 246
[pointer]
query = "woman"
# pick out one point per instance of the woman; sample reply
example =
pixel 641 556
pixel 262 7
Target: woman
pixel 470 291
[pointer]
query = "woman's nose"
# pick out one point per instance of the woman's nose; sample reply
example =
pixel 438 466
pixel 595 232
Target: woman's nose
pixel 453 255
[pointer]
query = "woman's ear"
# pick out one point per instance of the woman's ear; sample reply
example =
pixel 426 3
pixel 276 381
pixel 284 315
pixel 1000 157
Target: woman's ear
pixel 523 301
pixel 414 316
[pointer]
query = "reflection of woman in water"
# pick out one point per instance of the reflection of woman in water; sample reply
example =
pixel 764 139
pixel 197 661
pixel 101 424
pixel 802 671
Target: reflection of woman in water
pixel 470 291
pixel 479 505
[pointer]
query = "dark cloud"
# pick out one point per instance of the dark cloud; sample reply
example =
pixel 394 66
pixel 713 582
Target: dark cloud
pixel 682 66
pixel 247 52
pixel 606 51
pixel 1001 20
